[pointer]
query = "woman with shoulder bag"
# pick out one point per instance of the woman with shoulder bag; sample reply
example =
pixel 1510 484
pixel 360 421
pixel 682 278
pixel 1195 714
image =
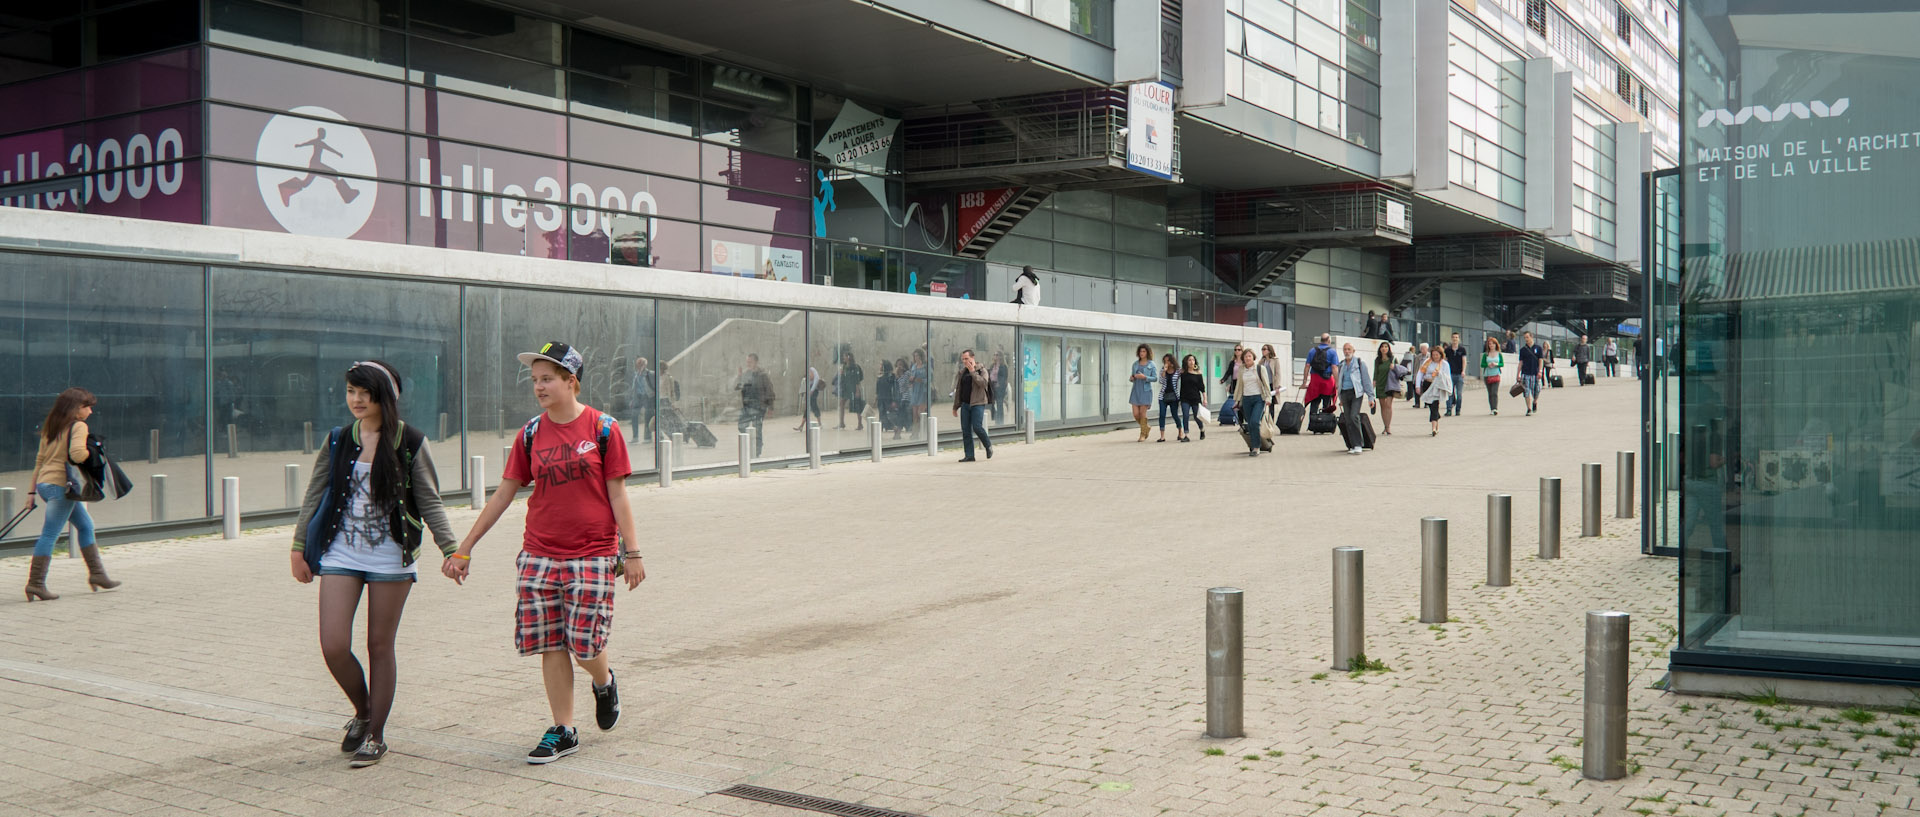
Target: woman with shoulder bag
pixel 1492 363
pixel 374 491
pixel 1168 384
pixel 63 441
pixel 1389 381
pixel 1252 387
pixel 1434 385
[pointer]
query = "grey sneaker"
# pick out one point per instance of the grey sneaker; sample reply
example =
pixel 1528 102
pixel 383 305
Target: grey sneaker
pixel 369 753
pixel 356 735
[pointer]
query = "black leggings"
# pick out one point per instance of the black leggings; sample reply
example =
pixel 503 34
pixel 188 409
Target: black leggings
pixel 1433 411
pixel 370 689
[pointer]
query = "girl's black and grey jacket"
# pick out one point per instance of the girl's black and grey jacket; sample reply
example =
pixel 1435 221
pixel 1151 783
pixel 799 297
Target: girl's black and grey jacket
pixel 331 491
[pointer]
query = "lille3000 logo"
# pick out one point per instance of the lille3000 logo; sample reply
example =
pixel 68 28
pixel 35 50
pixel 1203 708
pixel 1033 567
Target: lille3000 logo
pixel 318 200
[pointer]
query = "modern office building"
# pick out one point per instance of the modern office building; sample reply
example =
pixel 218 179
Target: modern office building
pixel 1787 404
pixel 1257 165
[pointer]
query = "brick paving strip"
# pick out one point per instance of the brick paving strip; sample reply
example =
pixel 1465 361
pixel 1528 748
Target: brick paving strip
pixel 1020 636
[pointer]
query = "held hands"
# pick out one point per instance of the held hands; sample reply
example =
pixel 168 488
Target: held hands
pixel 455 567
pixel 301 573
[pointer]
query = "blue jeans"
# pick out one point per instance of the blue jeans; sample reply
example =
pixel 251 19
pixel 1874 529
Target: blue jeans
pixel 1453 403
pixel 60 510
pixel 1252 411
pixel 1179 411
pixel 973 421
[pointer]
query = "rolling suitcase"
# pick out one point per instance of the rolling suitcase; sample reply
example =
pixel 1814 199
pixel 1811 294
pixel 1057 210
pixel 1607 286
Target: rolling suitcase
pixel 1556 382
pixel 1351 436
pixel 698 433
pixel 1366 432
pixel 1227 416
pixel 14 522
pixel 1586 380
pixel 1322 422
pixel 1291 416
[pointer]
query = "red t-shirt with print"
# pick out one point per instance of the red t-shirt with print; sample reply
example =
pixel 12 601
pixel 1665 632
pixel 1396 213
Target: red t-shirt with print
pixel 569 515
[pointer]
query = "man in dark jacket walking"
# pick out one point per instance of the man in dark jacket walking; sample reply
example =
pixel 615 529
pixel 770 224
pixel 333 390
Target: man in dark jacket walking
pixel 972 391
pixel 1582 355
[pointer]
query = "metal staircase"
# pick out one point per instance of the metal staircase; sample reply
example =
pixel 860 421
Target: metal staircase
pixel 1005 221
pixel 1270 266
pixel 1420 269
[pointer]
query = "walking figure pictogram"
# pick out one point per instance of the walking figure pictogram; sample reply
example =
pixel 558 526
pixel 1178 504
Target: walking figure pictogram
pixel 317 163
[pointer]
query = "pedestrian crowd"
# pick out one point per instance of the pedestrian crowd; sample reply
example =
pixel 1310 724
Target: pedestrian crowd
pixel 1345 387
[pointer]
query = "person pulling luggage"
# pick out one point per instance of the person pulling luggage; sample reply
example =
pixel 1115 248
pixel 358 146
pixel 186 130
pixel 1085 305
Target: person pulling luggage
pixel 1355 381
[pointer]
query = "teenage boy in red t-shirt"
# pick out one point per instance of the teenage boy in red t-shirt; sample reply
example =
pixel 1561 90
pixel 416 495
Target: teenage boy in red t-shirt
pixel 576 521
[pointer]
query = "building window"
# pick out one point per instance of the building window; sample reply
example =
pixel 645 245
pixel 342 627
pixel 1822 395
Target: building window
pixel 1625 25
pixel 1624 84
pixel 1537 16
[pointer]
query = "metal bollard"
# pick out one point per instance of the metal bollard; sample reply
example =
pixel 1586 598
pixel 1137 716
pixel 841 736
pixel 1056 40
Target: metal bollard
pixel 6 503
pixel 933 435
pixel 307 434
pixel 233 441
pixel 230 507
pixel 153 444
pixel 1499 540
pixel 813 446
pixel 73 542
pixel 1589 499
pixel 477 481
pixel 873 439
pixel 746 455
pixel 1433 570
pixel 1349 605
pixel 506 456
pixel 1225 667
pixel 1549 517
pixel 1604 737
pixel 294 494
pixel 1623 485
pixel 663 457
pixel 679 450
pixel 1672 460
pixel 1030 427
pixel 157 488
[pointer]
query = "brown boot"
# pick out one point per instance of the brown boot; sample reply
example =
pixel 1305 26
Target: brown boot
pixel 37 579
pixel 96 573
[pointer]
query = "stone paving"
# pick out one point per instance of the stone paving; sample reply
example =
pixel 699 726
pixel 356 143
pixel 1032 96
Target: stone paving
pixel 1020 636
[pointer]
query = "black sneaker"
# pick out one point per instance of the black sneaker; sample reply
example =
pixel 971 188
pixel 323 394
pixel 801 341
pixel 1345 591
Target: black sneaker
pixel 369 753
pixel 606 703
pixel 356 734
pixel 557 743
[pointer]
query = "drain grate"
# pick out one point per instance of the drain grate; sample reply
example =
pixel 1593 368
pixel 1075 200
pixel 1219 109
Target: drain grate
pixel 809 802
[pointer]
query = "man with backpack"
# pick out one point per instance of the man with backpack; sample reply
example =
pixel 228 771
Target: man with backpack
pixel 1322 360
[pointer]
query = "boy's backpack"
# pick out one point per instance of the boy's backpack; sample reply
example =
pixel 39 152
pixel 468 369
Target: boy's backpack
pixel 600 445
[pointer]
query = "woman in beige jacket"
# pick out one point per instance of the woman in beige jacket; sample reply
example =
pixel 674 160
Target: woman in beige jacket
pixel 63 439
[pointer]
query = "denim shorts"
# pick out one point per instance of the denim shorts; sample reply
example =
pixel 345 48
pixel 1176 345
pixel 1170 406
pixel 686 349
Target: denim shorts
pixel 369 576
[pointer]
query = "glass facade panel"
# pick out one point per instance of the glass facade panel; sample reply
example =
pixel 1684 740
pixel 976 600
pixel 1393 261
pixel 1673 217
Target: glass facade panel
pixel 134 335
pixel 994 347
pixel 856 358
pixel 1799 314
pixel 1485 112
pixel 1318 64
pixel 282 344
pixel 1041 376
pixel 706 347
pixel 1083 376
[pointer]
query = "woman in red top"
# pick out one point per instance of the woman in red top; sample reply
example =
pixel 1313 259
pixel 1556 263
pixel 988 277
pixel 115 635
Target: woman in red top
pixel 577 518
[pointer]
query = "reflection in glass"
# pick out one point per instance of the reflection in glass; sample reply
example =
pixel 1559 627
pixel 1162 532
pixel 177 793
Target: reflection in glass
pixel 851 353
pixel 994 347
pixel 1040 376
pixel 1084 373
pixel 611 332
pixel 133 334
pixel 281 347
pixel 706 348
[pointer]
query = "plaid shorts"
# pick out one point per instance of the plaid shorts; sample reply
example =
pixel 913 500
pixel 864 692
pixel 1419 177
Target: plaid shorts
pixel 564 604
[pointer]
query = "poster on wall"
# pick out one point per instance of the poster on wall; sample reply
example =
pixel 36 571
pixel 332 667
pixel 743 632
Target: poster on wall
pixel 1030 376
pixel 733 258
pixel 782 265
pixel 978 208
pixel 1150 129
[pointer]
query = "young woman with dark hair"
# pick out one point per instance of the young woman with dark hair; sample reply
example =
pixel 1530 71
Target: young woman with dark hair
pixel 373 493
pixel 63 439
pixel 1169 384
pixel 1193 392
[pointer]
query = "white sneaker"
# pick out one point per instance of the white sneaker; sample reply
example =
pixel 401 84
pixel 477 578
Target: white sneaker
pixel 1353 450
